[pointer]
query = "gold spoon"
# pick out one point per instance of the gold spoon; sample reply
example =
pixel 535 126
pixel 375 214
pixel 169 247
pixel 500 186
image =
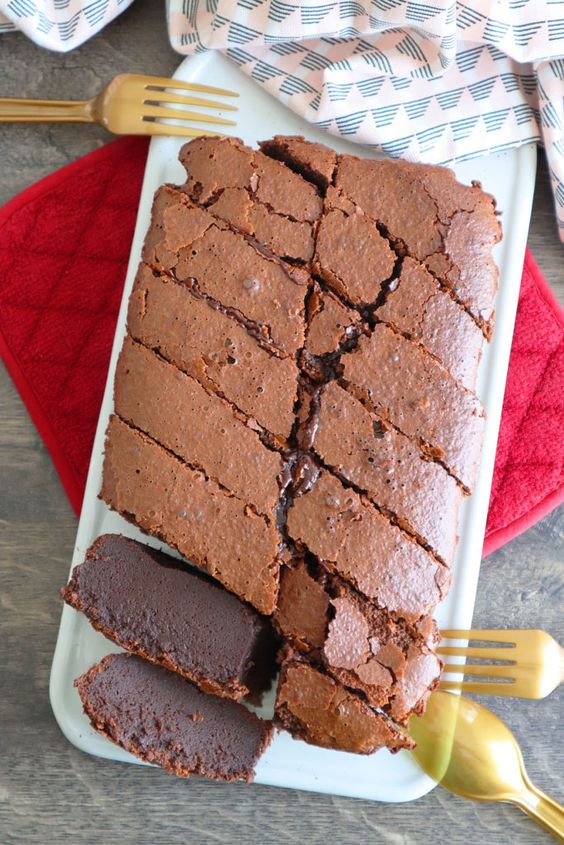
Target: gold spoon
pixel 468 750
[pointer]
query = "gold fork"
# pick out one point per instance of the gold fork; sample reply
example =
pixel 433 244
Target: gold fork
pixel 533 663
pixel 130 105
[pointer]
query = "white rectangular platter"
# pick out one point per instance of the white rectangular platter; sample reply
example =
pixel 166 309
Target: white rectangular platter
pixel 382 777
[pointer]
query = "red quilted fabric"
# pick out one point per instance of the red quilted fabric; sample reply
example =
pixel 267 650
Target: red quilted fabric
pixel 528 480
pixel 64 247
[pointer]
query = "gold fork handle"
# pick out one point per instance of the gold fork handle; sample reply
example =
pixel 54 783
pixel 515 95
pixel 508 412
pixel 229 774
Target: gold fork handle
pixel 45 111
pixel 543 809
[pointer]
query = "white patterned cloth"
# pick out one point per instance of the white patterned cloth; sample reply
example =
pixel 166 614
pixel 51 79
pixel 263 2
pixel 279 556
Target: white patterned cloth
pixel 59 24
pixel 427 80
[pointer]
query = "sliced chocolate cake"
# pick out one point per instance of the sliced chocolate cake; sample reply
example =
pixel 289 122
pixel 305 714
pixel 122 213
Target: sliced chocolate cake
pixel 296 395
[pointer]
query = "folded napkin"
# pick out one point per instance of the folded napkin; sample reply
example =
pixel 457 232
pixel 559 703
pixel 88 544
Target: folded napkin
pixel 64 247
pixel 59 24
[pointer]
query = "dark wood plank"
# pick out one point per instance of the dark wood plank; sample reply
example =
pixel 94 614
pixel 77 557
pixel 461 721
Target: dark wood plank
pixel 49 791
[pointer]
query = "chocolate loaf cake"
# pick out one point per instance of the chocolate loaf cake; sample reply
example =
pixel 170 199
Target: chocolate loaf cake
pixel 156 606
pixel 296 393
pixel 163 719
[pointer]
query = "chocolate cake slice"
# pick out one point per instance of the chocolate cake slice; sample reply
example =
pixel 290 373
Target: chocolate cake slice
pixel 391 469
pixel 223 266
pixel 319 710
pixel 354 540
pixel 392 664
pixel 164 611
pixel 163 719
pixel 168 499
pixel 168 405
pixel 403 384
pixel 417 306
pixel 217 350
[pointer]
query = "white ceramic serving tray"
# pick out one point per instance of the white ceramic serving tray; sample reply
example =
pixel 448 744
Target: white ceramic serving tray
pixel 510 178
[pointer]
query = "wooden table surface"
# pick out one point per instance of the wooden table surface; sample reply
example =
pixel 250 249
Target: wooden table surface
pixel 52 793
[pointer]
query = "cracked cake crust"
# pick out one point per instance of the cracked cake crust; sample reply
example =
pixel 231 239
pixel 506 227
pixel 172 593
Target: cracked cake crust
pixel 391 663
pixel 201 341
pixel 389 468
pixel 318 709
pixel 167 404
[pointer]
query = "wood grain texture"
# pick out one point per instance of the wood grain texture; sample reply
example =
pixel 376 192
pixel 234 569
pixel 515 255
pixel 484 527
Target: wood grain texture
pixel 52 793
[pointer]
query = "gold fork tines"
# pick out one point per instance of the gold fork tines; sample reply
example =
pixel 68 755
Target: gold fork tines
pixel 169 82
pixel 529 663
pixel 131 104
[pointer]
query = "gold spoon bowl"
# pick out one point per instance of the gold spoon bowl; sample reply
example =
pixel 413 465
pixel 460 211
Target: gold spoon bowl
pixel 472 753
